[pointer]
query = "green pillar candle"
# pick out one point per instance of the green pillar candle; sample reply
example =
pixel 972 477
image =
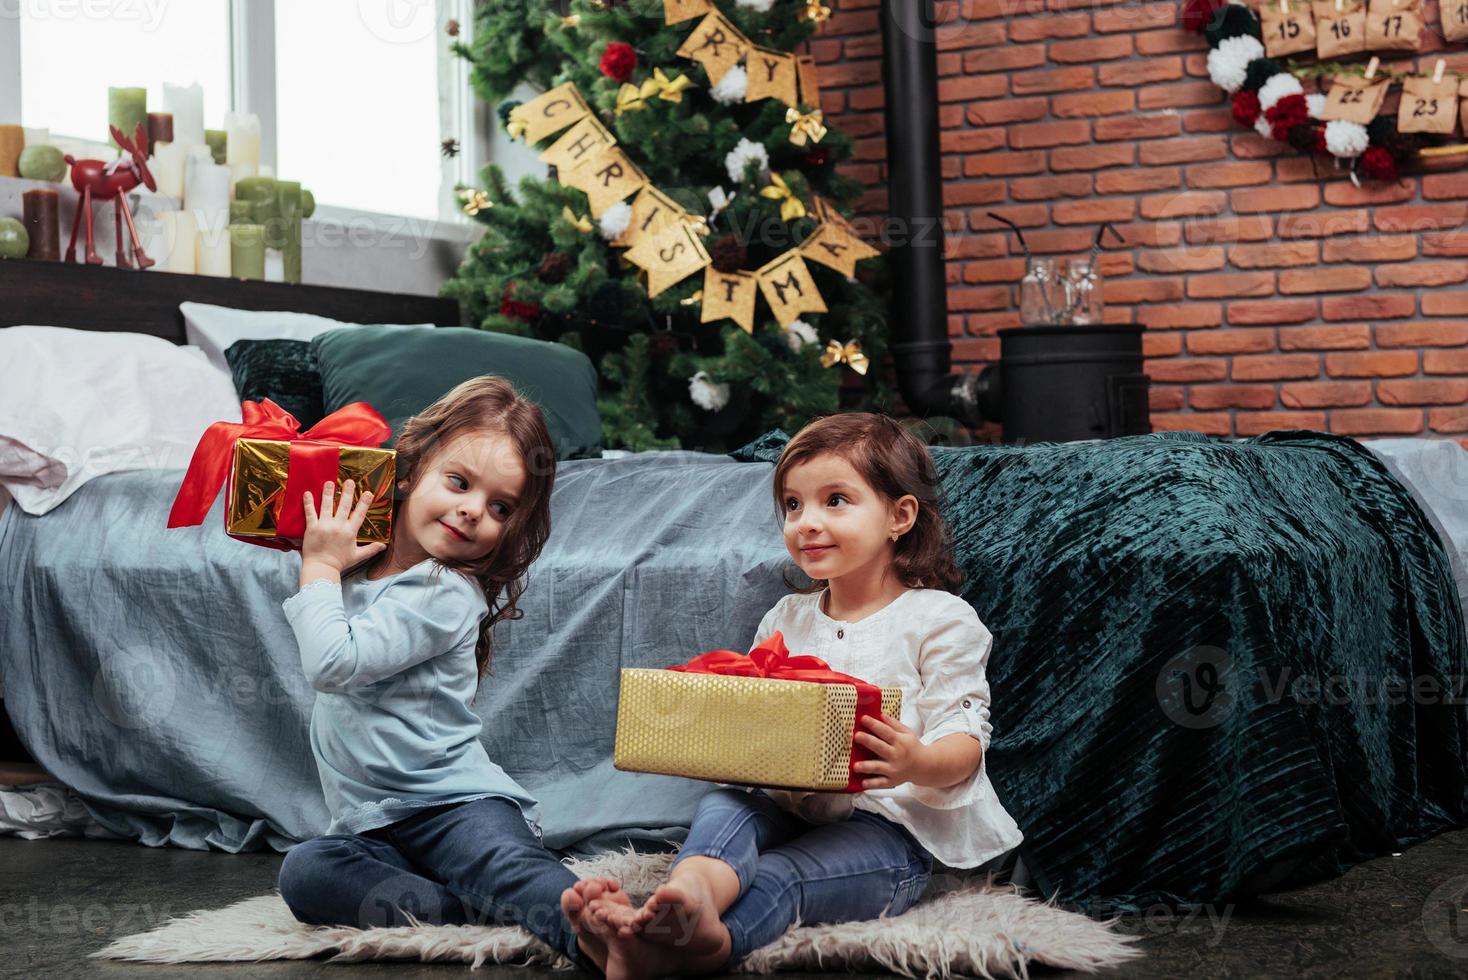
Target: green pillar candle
pixel 218 141
pixel 277 206
pixel 127 108
pixel 247 251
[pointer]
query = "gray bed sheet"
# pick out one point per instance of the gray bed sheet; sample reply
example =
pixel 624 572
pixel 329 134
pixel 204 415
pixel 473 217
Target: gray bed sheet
pixel 153 671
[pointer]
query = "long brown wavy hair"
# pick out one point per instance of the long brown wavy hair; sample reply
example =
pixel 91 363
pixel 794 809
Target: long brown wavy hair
pixel 484 405
pixel 894 463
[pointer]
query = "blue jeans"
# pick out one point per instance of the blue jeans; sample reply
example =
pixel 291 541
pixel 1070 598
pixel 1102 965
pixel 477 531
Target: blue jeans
pixel 791 870
pixel 474 863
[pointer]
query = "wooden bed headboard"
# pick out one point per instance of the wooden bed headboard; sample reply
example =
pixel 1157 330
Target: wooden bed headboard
pixel 57 294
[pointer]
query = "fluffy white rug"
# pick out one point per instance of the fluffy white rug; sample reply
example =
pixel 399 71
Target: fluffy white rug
pixel 962 928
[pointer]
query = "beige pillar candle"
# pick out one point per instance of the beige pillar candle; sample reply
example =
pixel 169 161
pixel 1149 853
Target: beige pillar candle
pixel 179 232
pixel 212 246
pixel 167 166
pixel 242 149
pixel 12 141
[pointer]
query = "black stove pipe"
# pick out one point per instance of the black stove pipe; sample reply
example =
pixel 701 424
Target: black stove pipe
pixel 921 351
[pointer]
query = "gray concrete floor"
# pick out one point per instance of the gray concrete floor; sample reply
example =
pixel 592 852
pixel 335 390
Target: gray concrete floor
pixel 63 898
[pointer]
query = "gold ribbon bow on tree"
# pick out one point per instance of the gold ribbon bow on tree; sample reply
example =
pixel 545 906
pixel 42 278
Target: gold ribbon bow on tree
pixel 805 126
pixel 582 224
pixel 632 98
pixel 815 12
pixel 517 126
pixel 474 201
pixel 791 208
pixel 836 353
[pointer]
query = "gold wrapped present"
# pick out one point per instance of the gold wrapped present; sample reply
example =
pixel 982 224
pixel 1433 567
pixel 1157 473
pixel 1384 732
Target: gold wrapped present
pixel 754 723
pixel 257 504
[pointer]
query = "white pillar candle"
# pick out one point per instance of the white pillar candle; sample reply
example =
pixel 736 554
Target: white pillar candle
pixel 206 186
pixel 186 102
pixel 242 152
pixel 211 251
pixel 167 166
pixel 274 266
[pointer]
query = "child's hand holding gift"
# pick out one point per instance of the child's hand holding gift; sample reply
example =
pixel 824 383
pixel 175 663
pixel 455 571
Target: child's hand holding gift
pixel 330 544
pixel 901 755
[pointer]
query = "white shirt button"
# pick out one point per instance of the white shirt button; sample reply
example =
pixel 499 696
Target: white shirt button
pixel 840 634
pixel 967 703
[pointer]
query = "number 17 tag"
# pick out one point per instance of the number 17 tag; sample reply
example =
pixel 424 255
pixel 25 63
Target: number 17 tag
pixel 1354 99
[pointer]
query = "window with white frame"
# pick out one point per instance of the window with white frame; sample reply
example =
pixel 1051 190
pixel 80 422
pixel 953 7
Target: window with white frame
pixel 356 97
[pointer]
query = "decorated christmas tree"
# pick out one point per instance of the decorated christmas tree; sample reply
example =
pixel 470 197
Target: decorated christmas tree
pixel 692 238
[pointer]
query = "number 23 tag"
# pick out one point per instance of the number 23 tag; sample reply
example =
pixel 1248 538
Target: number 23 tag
pixel 1428 106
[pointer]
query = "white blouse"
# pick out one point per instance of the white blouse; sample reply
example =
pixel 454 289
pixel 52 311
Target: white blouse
pixel 931 644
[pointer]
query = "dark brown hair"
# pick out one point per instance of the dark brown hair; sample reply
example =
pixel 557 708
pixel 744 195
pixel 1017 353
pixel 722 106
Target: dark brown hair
pixel 482 405
pixel 894 463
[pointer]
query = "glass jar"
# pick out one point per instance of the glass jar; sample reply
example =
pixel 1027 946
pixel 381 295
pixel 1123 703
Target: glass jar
pixel 1085 289
pixel 1041 299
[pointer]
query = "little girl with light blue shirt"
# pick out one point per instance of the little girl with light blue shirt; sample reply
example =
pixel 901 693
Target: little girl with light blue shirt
pixel 395 639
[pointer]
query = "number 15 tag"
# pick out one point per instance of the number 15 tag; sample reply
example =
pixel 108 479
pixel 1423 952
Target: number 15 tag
pixel 1288 26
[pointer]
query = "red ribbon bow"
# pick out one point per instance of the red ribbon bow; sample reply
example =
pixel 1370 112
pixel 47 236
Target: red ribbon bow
pixel 315 456
pixel 771 659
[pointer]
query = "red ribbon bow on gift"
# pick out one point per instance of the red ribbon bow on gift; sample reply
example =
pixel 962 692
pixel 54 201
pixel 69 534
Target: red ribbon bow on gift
pixel 771 659
pixel 315 456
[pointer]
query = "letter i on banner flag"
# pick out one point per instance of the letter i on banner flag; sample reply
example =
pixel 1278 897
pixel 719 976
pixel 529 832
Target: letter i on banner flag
pixel 550 112
pixel 652 211
pixel 716 44
pixel 670 256
pixel 789 289
pixel 810 86
pixel 772 75
pixel 607 178
pixel 731 295
pixel 583 141
pixel 677 11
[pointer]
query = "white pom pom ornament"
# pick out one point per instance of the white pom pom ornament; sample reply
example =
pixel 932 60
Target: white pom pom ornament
pixel 1277 88
pixel 1228 64
pixel 708 395
pixel 615 219
pixel 1346 139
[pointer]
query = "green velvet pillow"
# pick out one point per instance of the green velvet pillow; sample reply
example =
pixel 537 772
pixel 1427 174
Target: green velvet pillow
pixel 402 372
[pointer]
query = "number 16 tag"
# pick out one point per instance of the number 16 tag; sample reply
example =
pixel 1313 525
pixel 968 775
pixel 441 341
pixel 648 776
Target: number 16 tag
pixel 1340 27
pixel 1354 99
pixel 1428 106
pixel 1288 26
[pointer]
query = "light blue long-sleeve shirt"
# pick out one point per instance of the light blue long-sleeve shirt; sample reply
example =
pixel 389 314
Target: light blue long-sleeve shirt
pixel 393 663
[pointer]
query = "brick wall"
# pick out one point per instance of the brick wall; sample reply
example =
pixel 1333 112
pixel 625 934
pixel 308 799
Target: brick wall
pixel 1275 294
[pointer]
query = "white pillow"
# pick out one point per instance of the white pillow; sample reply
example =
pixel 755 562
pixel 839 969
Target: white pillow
pixel 75 404
pixel 214 328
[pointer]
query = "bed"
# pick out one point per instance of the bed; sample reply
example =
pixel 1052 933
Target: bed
pixel 153 673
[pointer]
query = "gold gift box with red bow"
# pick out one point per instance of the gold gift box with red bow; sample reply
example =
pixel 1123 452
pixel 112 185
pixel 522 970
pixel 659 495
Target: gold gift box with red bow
pixel 261 470
pixel 768 731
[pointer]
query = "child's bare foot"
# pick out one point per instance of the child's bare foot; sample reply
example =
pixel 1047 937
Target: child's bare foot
pixel 576 905
pixel 683 915
pixel 686 950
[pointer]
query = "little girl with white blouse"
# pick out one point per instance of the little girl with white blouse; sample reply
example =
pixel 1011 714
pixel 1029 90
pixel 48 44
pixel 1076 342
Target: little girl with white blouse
pixel 858 498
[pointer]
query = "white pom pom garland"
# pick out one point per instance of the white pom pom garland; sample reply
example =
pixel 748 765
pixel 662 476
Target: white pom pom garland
pixel 1346 139
pixel 1277 88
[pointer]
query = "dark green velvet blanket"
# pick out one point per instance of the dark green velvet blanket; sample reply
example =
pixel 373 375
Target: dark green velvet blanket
pixel 1219 667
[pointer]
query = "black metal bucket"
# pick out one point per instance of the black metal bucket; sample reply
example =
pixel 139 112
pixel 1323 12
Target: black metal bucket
pixel 1060 384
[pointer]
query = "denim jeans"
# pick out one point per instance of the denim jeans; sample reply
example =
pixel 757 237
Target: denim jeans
pixel 791 870
pixel 474 863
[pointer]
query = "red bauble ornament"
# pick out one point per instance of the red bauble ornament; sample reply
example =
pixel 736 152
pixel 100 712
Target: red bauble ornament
pixel 818 157
pixel 1378 164
pixel 618 61
pixel 511 307
pixel 1246 108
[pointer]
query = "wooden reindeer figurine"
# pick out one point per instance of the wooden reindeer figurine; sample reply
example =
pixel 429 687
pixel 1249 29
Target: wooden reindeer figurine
pixel 104 179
